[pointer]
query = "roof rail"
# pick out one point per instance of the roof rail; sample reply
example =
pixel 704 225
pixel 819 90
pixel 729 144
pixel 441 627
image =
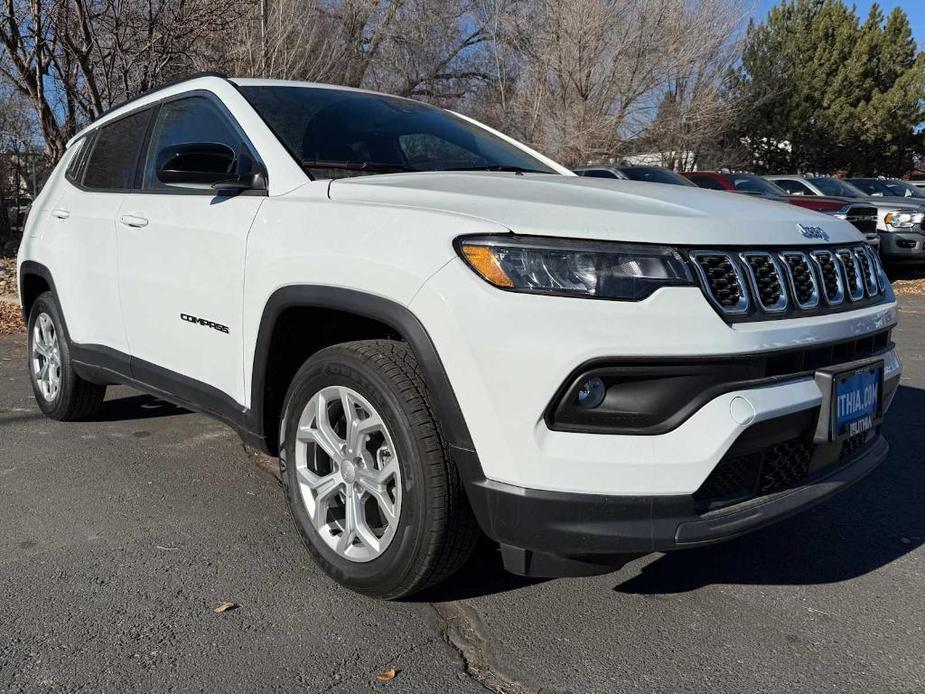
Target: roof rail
pixel 163 85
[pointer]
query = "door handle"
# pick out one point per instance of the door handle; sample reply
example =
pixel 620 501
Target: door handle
pixel 133 220
pixel 60 213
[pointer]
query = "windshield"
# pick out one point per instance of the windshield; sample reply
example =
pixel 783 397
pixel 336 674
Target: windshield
pixel 337 132
pixel 747 183
pixel 903 189
pixel 872 186
pixel 835 186
pixel 654 174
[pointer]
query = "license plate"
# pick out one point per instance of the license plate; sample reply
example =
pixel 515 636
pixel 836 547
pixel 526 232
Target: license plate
pixel 856 400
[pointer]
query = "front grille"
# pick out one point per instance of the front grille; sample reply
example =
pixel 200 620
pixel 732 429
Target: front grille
pixel 760 285
pixel 863 218
pixel 853 444
pixel 738 478
pixel 776 468
pixel 784 465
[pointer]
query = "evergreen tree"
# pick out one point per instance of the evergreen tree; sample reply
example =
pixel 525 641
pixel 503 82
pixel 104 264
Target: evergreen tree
pixel 822 91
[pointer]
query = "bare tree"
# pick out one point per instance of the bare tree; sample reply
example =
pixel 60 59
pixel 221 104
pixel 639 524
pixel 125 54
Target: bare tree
pixel 287 39
pixel 580 78
pixel 695 108
pixel 72 59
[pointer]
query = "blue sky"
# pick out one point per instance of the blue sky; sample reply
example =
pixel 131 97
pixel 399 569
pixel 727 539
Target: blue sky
pixel 914 8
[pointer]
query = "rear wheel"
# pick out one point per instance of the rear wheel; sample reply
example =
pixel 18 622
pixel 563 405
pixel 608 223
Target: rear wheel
pixel 59 391
pixel 369 485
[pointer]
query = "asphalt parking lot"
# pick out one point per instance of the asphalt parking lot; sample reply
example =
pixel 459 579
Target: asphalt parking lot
pixel 118 537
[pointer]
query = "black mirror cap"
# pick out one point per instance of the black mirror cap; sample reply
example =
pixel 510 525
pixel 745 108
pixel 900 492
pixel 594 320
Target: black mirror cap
pixel 204 163
pixel 250 175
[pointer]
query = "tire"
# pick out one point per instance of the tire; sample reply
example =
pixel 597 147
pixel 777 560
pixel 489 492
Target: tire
pixel 433 532
pixel 67 396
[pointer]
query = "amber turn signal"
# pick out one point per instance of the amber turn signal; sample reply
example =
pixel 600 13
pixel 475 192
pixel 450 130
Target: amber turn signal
pixel 483 261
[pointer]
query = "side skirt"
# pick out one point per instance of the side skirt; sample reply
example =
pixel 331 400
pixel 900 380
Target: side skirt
pixel 108 366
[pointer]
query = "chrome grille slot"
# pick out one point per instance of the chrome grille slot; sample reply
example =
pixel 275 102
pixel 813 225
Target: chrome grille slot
pixel 833 285
pixel 767 281
pixel 879 275
pixel 868 271
pixel 723 280
pixel 854 282
pixel 803 282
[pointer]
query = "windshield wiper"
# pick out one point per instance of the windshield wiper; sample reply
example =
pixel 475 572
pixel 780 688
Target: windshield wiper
pixel 496 167
pixel 371 166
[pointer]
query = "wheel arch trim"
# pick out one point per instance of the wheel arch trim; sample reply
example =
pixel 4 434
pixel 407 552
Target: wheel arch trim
pixel 386 311
pixel 31 268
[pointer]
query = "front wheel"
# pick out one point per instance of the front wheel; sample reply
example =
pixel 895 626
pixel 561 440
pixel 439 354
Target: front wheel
pixel 372 492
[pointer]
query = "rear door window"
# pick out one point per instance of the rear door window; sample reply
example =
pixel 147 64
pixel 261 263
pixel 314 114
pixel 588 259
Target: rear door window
pixel 114 159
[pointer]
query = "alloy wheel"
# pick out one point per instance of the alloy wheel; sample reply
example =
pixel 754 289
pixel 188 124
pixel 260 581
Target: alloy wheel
pixel 46 357
pixel 348 473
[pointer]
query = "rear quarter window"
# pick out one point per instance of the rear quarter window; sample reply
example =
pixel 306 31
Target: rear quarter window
pixel 75 167
pixel 113 163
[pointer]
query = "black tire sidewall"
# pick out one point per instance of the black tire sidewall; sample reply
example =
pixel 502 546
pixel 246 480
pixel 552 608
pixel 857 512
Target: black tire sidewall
pixel 385 574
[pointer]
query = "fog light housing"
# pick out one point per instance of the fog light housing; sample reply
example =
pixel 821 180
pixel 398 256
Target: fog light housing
pixel 591 393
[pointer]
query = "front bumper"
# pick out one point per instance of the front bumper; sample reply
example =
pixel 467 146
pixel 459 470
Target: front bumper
pixel 902 247
pixel 546 534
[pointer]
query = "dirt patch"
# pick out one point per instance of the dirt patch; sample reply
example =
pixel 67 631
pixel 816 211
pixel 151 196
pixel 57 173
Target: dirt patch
pixel 10 318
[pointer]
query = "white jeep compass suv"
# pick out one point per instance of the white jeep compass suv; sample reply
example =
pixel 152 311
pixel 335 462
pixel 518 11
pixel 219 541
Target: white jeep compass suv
pixel 442 333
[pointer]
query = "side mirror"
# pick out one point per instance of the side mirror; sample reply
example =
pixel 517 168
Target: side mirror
pixel 204 163
pixel 249 175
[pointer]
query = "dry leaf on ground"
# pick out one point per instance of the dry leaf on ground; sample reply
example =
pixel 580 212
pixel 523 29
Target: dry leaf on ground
pixel 225 606
pixel 909 287
pixel 10 318
pixel 387 675
pixel 7 276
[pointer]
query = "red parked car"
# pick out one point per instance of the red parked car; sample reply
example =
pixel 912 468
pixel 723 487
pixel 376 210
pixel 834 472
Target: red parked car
pixel 750 184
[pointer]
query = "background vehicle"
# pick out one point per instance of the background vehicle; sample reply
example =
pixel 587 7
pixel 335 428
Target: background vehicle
pixel 828 185
pixel 440 331
pixel 899 221
pixel 890 188
pixel 863 217
pixel 649 174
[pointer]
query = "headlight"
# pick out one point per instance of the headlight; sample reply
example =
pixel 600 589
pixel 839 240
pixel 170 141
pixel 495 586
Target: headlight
pixel 572 267
pixel 899 219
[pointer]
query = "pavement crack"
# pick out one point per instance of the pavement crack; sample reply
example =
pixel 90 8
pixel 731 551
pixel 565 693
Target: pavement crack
pixel 463 631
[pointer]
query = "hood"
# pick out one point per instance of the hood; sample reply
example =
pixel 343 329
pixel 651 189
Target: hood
pixel 892 202
pixel 578 207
